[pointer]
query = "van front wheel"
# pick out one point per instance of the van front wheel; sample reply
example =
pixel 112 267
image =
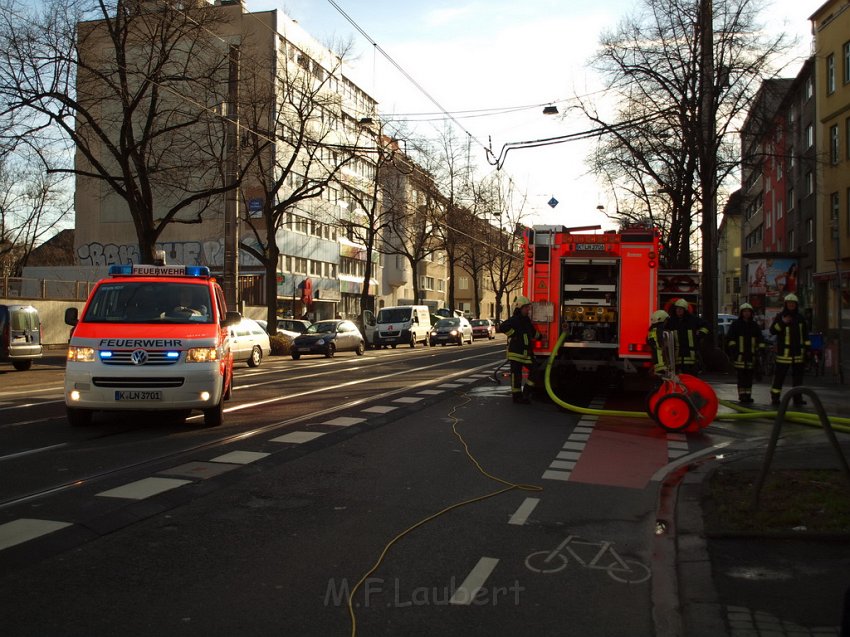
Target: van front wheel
pixel 22 366
pixel 214 416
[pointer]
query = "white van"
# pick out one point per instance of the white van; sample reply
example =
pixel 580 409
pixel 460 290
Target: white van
pixel 403 324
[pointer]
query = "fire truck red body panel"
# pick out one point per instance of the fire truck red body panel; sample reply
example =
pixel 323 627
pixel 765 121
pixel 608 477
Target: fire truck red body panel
pixel 598 288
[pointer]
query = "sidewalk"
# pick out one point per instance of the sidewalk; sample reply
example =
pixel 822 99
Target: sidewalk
pixel 750 585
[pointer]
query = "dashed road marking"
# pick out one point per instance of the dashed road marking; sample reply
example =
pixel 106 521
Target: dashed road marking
pixel 525 509
pixel 563 476
pixel 466 592
pixel 241 457
pixel 26 529
pixel 408 400
pixel 145 488
pixel 298 437
pixel 430 392
pixel 344 421
pixel 379 409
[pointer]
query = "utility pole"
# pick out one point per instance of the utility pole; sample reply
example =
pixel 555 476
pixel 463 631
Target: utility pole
pixel 231 197
pixel 708 165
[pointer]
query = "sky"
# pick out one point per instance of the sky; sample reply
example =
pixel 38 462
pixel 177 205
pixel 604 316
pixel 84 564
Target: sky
pixel 497 56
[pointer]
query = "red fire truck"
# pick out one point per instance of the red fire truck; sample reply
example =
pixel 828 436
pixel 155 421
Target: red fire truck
pixel 599 289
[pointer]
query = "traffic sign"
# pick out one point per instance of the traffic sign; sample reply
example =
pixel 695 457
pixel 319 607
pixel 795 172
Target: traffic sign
pixel 553 202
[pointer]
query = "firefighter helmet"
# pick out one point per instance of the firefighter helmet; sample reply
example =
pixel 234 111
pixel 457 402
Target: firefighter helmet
pixel 745 306
pixel 521 301
pixel 681 303
pixel 658 316
pixel 791 297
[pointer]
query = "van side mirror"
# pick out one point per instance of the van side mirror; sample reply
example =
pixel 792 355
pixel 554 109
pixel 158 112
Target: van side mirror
pixel 71 316
pixel 231 318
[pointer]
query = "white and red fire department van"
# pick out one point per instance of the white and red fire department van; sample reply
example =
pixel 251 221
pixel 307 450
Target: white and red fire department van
pixel 150 338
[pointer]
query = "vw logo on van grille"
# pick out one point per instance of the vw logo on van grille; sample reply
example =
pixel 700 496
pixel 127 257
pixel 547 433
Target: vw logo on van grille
pixel 139 357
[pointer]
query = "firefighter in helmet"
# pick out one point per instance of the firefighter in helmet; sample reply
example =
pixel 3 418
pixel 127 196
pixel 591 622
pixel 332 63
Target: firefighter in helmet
pixel 792 340
pixel 689 331
pixel 655 340
pixel 521 335
pixel 744 341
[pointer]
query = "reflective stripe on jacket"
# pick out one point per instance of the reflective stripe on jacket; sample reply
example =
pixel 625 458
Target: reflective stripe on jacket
pixel 521 334
pixel 792 338
pixel 743 341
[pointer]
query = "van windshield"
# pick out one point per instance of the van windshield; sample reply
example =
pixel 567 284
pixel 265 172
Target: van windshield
pixel 150 302
pixel 394 315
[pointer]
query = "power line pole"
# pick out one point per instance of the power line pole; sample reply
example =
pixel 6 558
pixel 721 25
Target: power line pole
pixel 708 165
pixel 231 197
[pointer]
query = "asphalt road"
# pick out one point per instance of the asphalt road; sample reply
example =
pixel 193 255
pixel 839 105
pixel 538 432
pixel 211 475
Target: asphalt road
pixel 462 513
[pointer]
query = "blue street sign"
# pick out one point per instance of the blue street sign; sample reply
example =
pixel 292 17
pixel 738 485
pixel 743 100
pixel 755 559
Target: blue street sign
pixel 255 205
pixel 553 202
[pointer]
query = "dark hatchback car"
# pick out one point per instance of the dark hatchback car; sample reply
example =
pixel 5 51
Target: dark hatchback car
pixel 328 337
pixel 483 328
pixel 451 330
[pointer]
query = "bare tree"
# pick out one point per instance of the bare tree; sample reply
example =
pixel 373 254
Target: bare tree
pixel 652 147
pixel 32 205
pixel 503 246
pixel 301 141
pixel 121 79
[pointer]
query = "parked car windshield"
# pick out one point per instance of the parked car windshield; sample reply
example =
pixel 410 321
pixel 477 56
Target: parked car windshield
pixel 479 322
pixel 394 315
pixel 450 322
pixel 322 327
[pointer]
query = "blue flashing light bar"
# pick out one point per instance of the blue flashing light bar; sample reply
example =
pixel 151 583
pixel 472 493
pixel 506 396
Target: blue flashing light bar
pixel 172 355
pixel 106 354
pixel 137 269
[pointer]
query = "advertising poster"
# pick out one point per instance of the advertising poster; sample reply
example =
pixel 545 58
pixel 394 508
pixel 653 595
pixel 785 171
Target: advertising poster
pixel 772 277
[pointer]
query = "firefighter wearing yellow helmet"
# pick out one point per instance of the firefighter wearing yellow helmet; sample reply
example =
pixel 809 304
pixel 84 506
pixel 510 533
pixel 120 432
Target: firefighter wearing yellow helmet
pixel 792 341
pixel 521 335
pixel 744 342
pixel 655 340
pixel 689 330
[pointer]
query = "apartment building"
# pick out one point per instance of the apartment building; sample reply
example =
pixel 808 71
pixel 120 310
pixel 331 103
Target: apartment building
pixel 831 28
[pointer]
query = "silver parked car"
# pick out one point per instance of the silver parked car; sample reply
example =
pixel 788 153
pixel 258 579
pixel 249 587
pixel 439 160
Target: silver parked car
pixel 455 330
pixel 249 342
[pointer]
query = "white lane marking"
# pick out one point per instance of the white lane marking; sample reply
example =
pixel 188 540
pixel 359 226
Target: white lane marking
pixel 525 509
pixel 408 400
pixel 240 457
pixel 583 430
pixel 379 409
pixel 28 452
pixel 664 471
pixel 431 392
pixel 673 444
pixel 568 465
pixel 465 380
pixel 449 386
pixel 466 592
pixel 556 475
pixel 568 455
pixel 298 437
pixel 578 446
pixel 144 488
pixel 575 436
pixel 26 529
pixel 344 421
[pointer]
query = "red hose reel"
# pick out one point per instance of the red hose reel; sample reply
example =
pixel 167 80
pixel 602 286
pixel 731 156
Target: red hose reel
pixel 683 403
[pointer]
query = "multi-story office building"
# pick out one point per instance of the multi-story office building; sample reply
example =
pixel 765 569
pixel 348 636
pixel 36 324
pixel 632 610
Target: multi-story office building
pixel 273 51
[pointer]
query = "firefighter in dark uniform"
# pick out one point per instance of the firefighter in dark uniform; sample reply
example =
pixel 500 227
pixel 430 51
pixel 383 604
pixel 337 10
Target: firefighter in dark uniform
pixel 655 340
pixel 689 330
pixel 792 340
pixel 744 342
pixel 521 335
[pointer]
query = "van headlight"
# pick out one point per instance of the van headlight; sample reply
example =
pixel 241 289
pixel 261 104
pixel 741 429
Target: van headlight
pixel 201 354
pixel 78 354
pixel 321 341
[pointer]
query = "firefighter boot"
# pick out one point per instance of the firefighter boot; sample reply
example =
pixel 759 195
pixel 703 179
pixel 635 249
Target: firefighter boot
pixel 746 399
pixel 526 393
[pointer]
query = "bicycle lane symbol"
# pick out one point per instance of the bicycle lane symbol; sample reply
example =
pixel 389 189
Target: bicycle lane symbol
pixel 605 558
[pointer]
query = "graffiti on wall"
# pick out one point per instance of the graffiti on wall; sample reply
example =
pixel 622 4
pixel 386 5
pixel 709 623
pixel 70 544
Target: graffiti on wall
pixel 210 253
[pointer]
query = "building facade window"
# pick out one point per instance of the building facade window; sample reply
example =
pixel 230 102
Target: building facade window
pixel 833 144
pixel 846 50
pixel 790 199
pixel 810 183
pixel 791 245
pixel 810 136
pixel 463 282
pixel 830 74
pixel 810 88
pixel 810 231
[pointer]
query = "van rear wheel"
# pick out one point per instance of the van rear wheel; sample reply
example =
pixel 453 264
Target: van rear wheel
pixel 22 366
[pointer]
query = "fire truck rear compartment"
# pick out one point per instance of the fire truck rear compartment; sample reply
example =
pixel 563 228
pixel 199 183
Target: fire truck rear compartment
pixel 589 303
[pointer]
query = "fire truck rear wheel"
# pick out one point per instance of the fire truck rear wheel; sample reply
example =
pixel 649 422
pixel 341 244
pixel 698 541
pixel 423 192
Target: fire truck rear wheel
pixel 674 412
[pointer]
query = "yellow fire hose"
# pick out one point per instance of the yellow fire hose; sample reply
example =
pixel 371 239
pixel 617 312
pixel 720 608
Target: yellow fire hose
pixel 740 413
